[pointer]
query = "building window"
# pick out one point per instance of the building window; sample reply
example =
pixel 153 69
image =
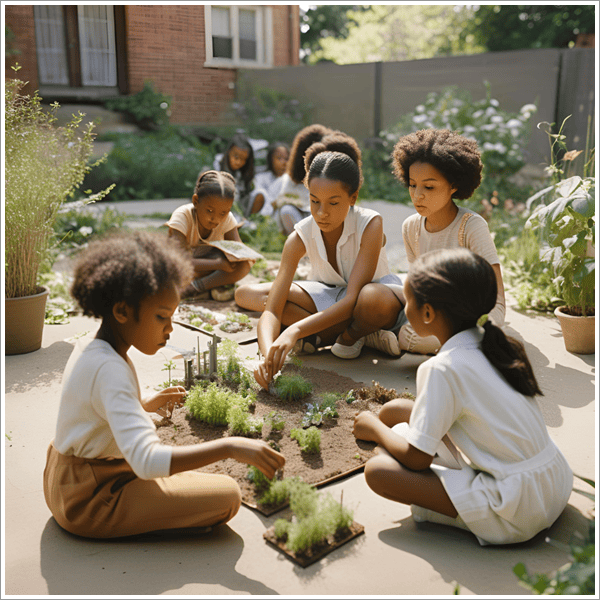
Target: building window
pixel 238 36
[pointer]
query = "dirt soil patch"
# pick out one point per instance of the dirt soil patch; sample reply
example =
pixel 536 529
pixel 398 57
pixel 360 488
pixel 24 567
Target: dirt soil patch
pixel 341 453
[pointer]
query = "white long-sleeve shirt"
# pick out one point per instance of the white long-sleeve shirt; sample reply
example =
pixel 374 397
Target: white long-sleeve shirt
pixel 101 415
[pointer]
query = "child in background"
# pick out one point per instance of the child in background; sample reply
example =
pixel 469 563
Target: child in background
pixel 107 473
pixel 271 180
pixel 351 293
pixel 439 166
pixel 476 395
pixel 292 203
pixel 238 160
pixel 208 218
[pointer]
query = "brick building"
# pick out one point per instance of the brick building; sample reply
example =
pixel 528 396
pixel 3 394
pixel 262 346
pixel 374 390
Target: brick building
pixel 189 52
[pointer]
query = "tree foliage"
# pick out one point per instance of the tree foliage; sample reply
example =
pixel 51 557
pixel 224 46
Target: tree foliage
pixel 325 21
pixel 515 27
pixel 399 32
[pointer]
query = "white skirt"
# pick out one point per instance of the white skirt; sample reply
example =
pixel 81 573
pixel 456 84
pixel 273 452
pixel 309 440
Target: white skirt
pixel 513 509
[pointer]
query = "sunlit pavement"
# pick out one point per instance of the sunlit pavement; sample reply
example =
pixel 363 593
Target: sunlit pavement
pixel 394 557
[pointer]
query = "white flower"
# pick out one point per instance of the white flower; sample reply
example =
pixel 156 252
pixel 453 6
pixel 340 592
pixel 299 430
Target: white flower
pixel 490 110
pixel 488 146
pixel 419 118
pixel 496 119
pixel 477 114
pixel 420 108
pixel 85 230
pixel 469 129
pixel 164 105
pixel 513 123
pixel 489 127
pixel 528 108
pixel 494 102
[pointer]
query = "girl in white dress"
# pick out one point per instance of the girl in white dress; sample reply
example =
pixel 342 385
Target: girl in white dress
pixel 351 294
pixel 503 478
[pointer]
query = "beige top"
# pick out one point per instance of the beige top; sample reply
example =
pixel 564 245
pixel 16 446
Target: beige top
pixel 468 230
pixel 184 220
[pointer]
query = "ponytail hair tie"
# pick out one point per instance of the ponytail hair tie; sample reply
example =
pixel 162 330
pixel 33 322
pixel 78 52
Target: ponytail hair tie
pixel 483 320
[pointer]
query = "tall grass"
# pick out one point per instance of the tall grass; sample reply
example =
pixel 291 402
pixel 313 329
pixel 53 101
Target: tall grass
pixel 44 165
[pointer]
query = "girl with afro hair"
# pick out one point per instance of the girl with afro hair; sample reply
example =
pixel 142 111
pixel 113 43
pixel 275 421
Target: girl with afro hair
pixel 107 473
pixel 440 166
pixel 351 298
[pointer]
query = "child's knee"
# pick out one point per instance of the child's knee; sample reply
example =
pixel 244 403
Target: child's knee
pixel 374 306
pixel 396 411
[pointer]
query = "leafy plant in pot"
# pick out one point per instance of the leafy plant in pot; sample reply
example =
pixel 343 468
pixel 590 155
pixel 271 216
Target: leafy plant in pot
pixel 568 228
pixel 44 165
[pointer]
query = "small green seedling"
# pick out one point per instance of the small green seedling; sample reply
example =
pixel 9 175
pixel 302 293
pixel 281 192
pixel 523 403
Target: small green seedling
pixel 168 366
pixel 350 397
pixel 290 387
pixel 325 409
pixel 276 420
pixel 261 482
pixel 308 439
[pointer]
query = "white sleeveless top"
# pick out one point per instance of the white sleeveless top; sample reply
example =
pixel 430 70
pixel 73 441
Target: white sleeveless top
pixel 347 248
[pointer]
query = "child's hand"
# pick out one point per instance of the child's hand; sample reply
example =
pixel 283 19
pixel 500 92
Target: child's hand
pixel 168 399
pixel 258 454
pixel 262 376
pixel 365 426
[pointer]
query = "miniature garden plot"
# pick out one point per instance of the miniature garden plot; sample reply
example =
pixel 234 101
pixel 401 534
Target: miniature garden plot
pixel 308 417
pixel 225 321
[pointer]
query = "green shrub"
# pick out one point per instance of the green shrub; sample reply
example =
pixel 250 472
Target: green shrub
pixel 174 162
pixel 76 225
pixel 241 423
pixel 279 491
pixel 502 137
pixel 259 479
pixel 281 528
pixel 263 236
pixel 292 387
pixel 269 114
pixel 276 420
pixel 45 165
pixel 308 439
pixel 212 404
pixel 148 109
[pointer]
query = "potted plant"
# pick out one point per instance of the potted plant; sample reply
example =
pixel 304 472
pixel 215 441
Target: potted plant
pixel 44 165
pixel 567 223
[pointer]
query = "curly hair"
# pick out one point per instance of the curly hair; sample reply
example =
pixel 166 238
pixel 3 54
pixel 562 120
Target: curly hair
pixel 336 157
pixel 127 268
pixel 304 139
pixel 457 158
pixel 215 183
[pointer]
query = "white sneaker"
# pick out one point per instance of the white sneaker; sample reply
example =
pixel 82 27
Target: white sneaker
pixel 348 352
pixel 385 341
pixel 410 341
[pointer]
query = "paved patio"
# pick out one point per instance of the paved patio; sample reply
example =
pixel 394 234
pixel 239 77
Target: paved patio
pixel 394 557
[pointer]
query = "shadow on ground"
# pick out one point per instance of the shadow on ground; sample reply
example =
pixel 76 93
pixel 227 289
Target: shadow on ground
pixel 37 369
pixel 144 565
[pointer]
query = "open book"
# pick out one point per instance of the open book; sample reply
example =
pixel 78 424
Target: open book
pixel 235 251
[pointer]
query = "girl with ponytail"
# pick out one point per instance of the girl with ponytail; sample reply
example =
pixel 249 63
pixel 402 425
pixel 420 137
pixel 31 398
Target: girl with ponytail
pixel 472 450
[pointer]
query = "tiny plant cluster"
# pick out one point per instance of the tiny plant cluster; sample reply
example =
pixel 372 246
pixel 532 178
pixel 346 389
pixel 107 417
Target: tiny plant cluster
pixel 290 387
pixel 316 518
pixel 325 409
pixel 308 439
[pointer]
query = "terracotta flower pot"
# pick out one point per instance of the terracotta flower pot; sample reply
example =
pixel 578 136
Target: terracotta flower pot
pixel 24 322
pixel 579 333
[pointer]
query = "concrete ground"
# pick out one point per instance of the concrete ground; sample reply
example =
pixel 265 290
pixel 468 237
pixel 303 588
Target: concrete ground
pixel 394 557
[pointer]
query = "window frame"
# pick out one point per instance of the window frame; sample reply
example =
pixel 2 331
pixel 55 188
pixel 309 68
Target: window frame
pixel 264 38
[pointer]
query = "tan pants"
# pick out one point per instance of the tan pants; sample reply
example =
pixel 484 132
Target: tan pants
pixel 104 498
